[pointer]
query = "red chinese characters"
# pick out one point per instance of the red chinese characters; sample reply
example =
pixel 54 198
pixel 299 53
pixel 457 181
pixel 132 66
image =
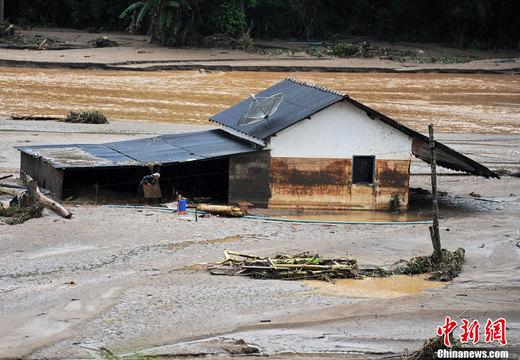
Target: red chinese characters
pixel 470 331
pixel 496 331
pixel 446 330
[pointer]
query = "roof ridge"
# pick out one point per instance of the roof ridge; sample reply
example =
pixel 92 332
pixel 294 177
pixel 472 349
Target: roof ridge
pixel 316 86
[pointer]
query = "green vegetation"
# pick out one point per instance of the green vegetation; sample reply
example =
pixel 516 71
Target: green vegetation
pixel 312 266
pixel 444 269
pixel 18 214
pixel 395 203
pixel 6 29
pixel 86 117
pixel 480 24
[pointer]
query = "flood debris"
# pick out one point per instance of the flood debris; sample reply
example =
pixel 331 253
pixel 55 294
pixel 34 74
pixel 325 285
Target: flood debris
pixel 19 213
pixel 444 268
pixel 34 193
pixel 298 267
pixel 36 117
pixel 223 210
pixel 86 117
pixel 6 29
pixel 102 42
pixel 308 266
pixel 429 350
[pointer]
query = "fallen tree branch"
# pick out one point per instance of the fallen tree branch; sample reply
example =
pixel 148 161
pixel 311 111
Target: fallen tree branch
pixel 36 194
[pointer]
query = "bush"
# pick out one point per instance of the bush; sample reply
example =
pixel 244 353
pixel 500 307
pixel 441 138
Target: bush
pixel 230 18
pixel 86 117
pixel 344 49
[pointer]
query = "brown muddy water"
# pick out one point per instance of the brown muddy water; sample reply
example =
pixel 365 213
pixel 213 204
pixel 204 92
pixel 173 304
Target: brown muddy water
pixel 358 216
pixel 378 288
pixel 453 102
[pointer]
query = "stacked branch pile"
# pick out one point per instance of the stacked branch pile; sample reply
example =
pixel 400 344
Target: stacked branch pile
pixel 298 267
pixel 308 266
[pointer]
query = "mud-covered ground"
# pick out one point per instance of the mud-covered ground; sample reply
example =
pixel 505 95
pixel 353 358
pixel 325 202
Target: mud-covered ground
pixel 122 279
pixel 135 52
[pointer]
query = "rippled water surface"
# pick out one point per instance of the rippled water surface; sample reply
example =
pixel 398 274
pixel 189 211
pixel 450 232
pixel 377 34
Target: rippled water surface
pixel 453 102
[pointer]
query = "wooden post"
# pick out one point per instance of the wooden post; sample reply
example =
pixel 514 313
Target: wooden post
pixel 434 229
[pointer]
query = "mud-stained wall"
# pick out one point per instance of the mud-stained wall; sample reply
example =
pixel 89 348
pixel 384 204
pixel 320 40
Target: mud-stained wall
pixel 40 170
pixel 249 178
pixel 311 183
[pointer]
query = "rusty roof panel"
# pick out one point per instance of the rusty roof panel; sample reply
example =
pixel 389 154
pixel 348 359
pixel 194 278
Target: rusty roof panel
pixel 165 149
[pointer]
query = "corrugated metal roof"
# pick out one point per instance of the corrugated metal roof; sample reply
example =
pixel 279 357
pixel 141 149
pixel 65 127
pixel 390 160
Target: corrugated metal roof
pixel 165 149
pixel 301 100
pixel 446 156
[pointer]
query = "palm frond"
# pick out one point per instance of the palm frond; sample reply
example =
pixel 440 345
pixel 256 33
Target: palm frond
pixel 144 11
pixel 129 10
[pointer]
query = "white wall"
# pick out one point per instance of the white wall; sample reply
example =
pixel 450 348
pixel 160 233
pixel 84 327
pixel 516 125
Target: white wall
pixel 340 131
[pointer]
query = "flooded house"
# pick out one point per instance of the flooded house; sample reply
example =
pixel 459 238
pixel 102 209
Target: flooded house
pixel 293 145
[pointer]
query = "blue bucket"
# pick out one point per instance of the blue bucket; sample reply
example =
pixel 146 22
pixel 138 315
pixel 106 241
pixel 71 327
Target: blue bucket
pixel 182 206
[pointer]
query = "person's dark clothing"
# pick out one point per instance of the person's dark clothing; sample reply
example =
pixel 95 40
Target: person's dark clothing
pixel 148 179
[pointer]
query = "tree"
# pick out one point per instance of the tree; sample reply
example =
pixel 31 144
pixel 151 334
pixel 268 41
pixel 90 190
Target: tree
pixel 1 10
pixel 161 14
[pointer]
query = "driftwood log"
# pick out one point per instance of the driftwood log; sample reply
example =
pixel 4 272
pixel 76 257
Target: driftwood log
pixel 36 194
pixel 223 210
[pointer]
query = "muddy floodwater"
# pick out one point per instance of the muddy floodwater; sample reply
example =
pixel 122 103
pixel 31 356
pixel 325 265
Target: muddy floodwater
pixel 379 288
pixel 358 216
pixel 453 102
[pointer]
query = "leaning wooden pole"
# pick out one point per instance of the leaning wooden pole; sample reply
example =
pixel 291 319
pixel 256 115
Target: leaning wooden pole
pixel 434 229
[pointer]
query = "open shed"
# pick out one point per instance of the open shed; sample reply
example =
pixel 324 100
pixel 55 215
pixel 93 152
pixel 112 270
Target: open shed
pixel 319 150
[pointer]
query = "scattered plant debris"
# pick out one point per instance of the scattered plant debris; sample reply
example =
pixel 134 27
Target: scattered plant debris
pixel 102 42
pixel 36 117
pixel 311 266
pixel 9 39
pixel 297 267
pixel 18 214
pixel 86 117
pixel 429 350
pixel 244 42
pixel 447 267
pixel 6 29
pixel 365 50
pixel 508 172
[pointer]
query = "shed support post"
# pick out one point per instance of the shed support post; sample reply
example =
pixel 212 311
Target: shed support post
pixel 434 229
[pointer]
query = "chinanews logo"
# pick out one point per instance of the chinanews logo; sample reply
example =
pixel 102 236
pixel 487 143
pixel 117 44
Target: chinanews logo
pixel 493 333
